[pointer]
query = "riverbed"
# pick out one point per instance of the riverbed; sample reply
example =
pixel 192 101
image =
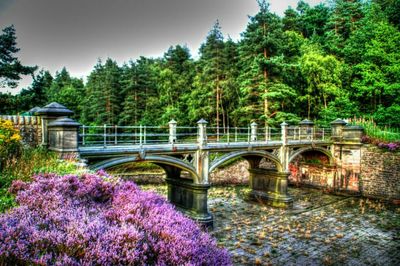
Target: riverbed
pixel 321 229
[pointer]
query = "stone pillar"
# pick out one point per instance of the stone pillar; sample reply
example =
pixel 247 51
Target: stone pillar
pixel 270 186
pixel 253 136
pixel 63 136
pixel 202 133
pixel 306 129
pixel 191 199
pixel 48 114
pixel 172 131
pixel 337 129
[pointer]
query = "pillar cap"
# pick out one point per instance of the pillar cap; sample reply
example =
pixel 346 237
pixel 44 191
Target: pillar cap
pixel 64 122
pixel 338 122
pixel 306 122
pixel 253 124
pixel 357 128
pixel 284 124
pixel 202 121
pixel 34 110
pixel 172 121
pixel 54 109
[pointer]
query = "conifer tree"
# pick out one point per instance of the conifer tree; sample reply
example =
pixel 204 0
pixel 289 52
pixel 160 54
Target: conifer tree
pixel 11 68
pixel 261 41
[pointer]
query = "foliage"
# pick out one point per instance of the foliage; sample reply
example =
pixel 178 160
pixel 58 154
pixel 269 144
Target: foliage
pixel 383 137
pixel 323 62
pixel 11 68
pixel 10 141
pixel 30 161
pixel 71 220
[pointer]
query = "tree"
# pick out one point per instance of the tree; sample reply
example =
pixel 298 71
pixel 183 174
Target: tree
pixel 377 76
pixel 174 81
pixel 210 75
pixel 36 95
pixel 344 20
pixel 11 68
pixel 261 41
pixel 312 19
pixel 322 74
pixel 66 90
pixel 102 103
pixel 139 91
pixel 291 20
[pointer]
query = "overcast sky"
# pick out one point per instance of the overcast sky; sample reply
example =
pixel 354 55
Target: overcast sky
pixel 75 33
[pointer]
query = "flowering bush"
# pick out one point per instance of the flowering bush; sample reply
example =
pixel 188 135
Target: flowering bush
pixel 71 220
pixel 9 140
pixel 391 146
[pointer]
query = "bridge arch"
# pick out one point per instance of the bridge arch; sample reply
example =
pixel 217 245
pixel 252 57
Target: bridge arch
pixel 243 154
pixel 322 150
pixel 160 160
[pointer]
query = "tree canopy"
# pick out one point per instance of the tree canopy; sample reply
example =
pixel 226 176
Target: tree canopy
pixel 318 62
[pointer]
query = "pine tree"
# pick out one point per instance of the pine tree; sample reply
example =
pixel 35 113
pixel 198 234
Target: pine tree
pixel 261 41
pixel 11 68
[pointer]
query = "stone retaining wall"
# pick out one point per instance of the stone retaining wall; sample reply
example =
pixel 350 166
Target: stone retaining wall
pixel 380 173
pixel 30 127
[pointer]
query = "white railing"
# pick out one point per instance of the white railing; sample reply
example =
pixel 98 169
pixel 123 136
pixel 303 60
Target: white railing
pixel 107 135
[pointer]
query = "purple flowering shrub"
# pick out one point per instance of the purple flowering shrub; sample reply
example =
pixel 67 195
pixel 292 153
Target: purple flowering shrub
pixel 391 146
pixel 70 220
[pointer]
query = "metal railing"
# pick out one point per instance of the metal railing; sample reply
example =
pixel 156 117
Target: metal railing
pixel 107 135
pixel 308 134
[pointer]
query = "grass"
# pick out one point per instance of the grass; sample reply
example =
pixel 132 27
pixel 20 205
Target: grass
pixel 31 161
pixel 374 131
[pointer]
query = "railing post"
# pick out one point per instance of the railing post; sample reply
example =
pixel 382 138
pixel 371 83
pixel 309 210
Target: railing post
pixel 144 134
pixel 172 131
pixel 140 135
pixel 248 134
pixel 115 135
pixel 253 136
pixel 105 135
pixel 228 134
pixel 284 127
pixel 235 134
pixel 323 133
pixel 83 135
pixel 202 134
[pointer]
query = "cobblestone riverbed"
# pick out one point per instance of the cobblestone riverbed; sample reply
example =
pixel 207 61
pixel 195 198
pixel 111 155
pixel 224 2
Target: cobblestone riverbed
pixel 321 229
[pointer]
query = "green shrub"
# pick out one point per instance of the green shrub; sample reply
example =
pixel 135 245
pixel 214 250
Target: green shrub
pixel 31 161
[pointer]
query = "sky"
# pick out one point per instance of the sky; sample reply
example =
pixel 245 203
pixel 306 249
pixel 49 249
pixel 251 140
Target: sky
pixel 76 33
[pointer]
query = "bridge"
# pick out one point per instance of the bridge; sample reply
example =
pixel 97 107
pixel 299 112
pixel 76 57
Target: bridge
pixel 189 154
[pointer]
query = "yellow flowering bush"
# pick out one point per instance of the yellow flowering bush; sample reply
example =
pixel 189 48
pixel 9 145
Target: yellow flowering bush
pixel 10 140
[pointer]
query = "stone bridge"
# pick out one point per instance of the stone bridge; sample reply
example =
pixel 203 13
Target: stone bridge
pixel 189 154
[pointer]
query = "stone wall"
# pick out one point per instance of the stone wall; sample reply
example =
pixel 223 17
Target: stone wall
pixel 380 173
pixel 30 127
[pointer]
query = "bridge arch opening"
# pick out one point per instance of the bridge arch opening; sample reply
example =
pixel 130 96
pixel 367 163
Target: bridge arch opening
pixel 187 194
pixel 174 168
pixel 254 158
pixel 312 167
pixel 267 180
